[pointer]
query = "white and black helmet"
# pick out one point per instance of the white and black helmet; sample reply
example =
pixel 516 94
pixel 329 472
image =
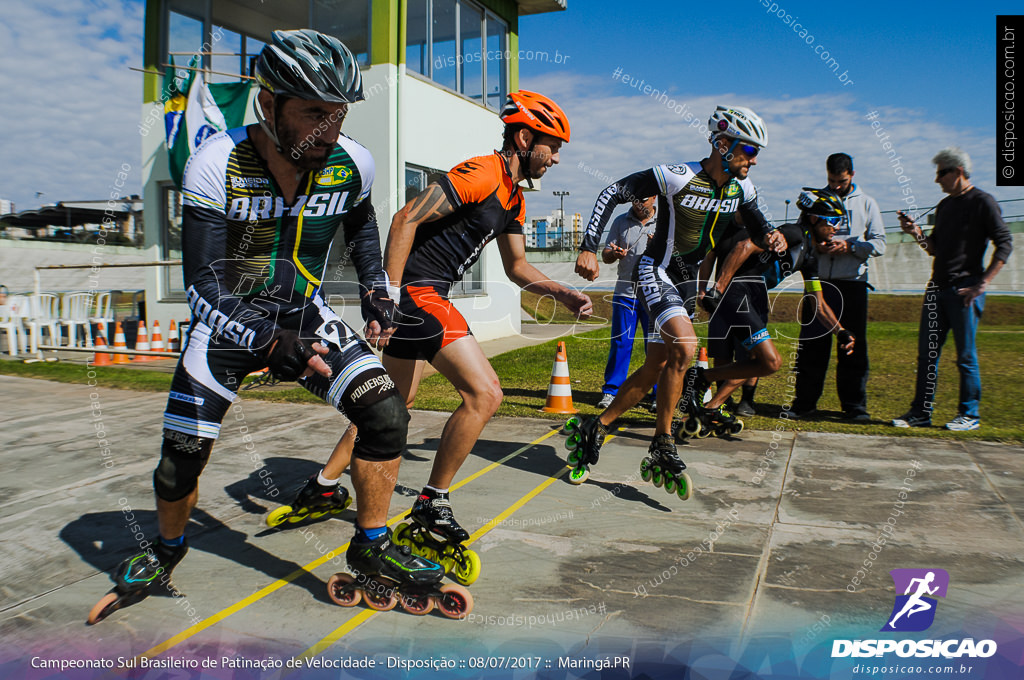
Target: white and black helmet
pixel 738 122
pixel 309 65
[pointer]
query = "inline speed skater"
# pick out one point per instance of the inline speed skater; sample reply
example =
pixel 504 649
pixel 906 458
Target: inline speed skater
pixel 696 204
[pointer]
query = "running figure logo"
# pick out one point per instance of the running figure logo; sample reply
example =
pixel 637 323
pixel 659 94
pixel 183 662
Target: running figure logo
pixel 914 610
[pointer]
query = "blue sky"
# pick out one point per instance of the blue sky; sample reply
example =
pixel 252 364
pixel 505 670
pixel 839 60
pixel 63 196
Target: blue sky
pixel 70 115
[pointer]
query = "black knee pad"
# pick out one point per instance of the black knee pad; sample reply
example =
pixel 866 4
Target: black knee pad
pixel 182 459
pixel 383 427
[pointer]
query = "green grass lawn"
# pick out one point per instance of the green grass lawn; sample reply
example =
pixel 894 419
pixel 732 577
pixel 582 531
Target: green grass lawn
pixel 892 337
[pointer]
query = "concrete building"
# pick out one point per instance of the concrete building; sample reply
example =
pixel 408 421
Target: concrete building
pixel 435 74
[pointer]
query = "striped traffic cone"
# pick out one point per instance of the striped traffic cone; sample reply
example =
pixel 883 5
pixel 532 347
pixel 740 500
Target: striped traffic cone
pixel 119 343
pixel 702 362
pixel 173 340
pixel 157 343
pixel 559 392
pixel 101 358
pixel 142 344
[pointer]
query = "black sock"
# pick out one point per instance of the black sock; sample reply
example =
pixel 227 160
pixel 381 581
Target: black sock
pixel 748 393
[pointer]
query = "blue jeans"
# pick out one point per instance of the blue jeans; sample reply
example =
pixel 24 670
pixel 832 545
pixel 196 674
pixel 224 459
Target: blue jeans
pixel 944 310
pixel 627 315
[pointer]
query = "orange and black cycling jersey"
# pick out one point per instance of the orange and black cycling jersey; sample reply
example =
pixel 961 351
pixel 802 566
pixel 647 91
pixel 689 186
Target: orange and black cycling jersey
pixel 487 203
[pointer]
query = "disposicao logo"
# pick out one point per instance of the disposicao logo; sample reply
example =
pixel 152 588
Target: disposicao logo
pixel 913 611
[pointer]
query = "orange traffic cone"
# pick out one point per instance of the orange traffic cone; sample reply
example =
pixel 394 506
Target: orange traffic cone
pixel 173 340
pixel 142 344
pixel 119 343
pixel 702 362
pixel 559 392
pixel 101 358
pixel 157 343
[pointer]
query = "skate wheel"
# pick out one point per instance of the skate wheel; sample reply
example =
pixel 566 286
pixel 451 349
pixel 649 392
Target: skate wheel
pixel 721 430
pixel 736 428
pixel 703 432
pixel 418 605
pixel 298 517
pixel 467 571
pixel 578 475
pixel 318 514
pixel 380 597
pixel 573 441
pixel 403 535
pixel 574 458
pixel 658 478
pixel 571 425
pixel 342 592
pixel 685 486
pixel 107 605
pixel 455 601
pixel 670 483
pixel 277 517
pixel 338 511
pixel 692 426
pixel 645 470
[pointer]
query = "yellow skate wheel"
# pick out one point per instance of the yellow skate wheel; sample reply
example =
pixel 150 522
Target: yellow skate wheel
pixel 318 514
pixel 455 601
pixel 467 571
pixel 339 594
pixel 685 486
pixel 579 475
pixel 692 427
pixel 277 517
pixel 403 535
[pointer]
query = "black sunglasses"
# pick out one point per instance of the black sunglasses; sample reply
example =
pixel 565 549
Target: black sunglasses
pixel 944 171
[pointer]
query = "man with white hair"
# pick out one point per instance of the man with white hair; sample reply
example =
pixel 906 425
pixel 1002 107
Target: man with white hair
pixel 955 297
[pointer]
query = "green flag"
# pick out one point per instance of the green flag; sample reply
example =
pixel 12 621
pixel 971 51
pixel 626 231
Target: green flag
pixel 197 110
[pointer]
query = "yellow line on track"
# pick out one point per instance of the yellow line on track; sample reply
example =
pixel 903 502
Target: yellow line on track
pixel 365 615
pixel 280 583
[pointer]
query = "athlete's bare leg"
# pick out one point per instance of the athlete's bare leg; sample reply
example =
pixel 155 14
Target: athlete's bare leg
pixel 341 456
pixel 638 384
pixel 681 344
pixel 374 482
pixel 172 516
pixel 764 360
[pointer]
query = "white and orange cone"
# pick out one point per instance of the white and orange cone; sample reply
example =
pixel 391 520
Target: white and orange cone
pixel 173 339
pixel 156 344
pixel 119 343
pixel 101 358
pixel 702 362
pixel 141 344
pixel 559 390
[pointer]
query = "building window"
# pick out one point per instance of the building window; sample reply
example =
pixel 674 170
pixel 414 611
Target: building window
pixel 170 244
pixel 416 180
pixel 348 21
pixel 459 45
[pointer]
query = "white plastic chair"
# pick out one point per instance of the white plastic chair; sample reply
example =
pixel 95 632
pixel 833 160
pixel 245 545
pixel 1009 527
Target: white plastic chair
pixel 11 319
pixel 75 310
pixel 101 315
pixel 43 314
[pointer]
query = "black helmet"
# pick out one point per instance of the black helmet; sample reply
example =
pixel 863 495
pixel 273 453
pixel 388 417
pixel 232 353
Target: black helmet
pixel 821 203
pixel 309 65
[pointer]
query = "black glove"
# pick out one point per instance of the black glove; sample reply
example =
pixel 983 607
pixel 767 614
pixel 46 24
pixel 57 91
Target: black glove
pixel 711 300
pixel 378 306
pixel 290 356
pixel 844 337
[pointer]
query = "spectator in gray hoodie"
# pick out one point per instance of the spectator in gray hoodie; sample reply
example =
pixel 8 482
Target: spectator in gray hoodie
pixel 843 269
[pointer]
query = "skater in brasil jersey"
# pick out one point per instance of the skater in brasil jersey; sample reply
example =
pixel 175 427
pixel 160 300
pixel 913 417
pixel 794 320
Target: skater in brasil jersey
pixel 261 205
pixel 696 204
pixel 433 240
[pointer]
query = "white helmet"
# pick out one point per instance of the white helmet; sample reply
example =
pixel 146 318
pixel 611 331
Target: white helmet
pixel 738 122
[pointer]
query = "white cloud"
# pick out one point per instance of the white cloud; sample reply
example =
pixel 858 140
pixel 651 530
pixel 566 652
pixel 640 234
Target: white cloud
pixel 70 104
pixel 617 130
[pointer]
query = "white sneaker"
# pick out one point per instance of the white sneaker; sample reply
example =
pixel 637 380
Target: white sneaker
pixel 963 423
pixel 911 419
pixel 606 401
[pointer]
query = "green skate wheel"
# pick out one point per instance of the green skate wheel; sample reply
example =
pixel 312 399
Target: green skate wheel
pixel 468 570
pixel 571 425
pixel 573 441
pixel 685 486
pixel 670 483
pixel 645 470
pixel 277 517
pixel 579 475
pixel 658 478
pixel 575 457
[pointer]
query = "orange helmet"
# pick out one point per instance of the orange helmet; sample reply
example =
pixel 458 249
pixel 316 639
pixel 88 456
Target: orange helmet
pixel 536 112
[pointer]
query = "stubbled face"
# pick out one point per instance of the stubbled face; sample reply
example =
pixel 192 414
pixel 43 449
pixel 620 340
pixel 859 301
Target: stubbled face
pixel 841 183
pixel 645 208
pixel 308 129
pixel 545 154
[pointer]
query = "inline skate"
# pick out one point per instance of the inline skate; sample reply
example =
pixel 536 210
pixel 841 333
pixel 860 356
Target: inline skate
pixel 702 421
pixel 585 439
pixel 313 500
pixel 663 467
pixel 136 576
pixel 434 534
pixel 386 574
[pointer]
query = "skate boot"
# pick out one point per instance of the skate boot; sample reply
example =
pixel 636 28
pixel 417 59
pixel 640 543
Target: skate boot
pixel 719 422
pixel 313 500
pixel 663 467
pixel 388 574
pixel 136 576
pixel 434 534
pixel 692 404
pixel 584 443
